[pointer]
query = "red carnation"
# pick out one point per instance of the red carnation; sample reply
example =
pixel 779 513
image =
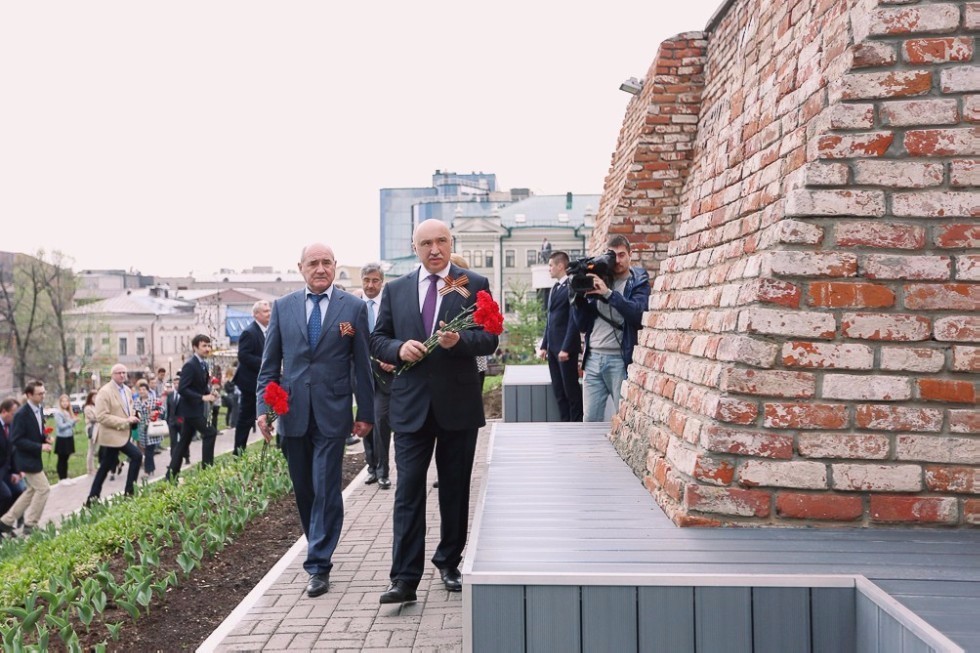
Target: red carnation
pixel 48 430
pixel 277 401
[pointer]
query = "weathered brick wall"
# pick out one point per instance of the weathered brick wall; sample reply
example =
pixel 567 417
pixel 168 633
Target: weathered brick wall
pixel 811 348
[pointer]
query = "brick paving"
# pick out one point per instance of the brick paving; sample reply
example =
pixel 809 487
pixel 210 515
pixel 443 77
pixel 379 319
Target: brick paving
pixel 349 617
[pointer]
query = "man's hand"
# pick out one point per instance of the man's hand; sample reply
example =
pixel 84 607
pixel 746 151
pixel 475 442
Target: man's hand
pixel 265 428
pixel 563 356
pixel 45 447
pixel 387 367
pixel 447 339
pixel 542 353
pixel 209 397
pixel 599 286
pixel 361 429
pixel 133 420
pixel 411 351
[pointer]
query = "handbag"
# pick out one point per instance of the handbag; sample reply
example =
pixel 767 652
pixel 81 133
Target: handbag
pixel 158 427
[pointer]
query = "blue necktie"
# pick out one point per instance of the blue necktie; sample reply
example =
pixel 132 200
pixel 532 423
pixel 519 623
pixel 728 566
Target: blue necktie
pixel 316 320
pixel 371 315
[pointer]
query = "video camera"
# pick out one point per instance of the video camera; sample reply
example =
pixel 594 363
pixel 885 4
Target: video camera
pixel 602 266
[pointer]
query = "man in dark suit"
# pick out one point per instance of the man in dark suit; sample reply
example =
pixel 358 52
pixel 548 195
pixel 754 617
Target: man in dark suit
pixel 28 440
pixel 317 349
pixel 250 346
pixel 173 421
pixel 560 344
pixel 9 478
pixel 437 404
pixel 195 390
pixel 378 442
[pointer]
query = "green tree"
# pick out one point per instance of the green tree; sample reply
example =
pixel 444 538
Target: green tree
pixel 525 322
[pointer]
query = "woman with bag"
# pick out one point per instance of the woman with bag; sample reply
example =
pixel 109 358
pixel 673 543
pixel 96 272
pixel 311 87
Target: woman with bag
pixel 64 443
pixel 149 434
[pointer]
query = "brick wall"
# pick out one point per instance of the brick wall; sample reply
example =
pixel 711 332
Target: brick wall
pixel 810 353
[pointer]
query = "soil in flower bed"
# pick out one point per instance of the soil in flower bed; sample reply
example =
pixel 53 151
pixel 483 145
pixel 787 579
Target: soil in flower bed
pixel 190 612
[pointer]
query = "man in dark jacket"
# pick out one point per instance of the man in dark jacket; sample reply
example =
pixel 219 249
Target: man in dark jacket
pixel 11 485
pixel 28 440
pixel 560 345
pixel 250 346
pixel 195 390
pixel 610 318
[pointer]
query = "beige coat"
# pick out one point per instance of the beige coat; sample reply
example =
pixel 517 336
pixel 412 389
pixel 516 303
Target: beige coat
pixel 111 415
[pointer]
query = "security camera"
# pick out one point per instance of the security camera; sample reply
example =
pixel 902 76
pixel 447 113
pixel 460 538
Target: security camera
pixel 633 86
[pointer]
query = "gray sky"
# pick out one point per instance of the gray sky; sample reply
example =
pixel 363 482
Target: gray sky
pixel 188 136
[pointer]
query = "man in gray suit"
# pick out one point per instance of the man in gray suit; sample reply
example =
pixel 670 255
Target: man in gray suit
pixel 317 349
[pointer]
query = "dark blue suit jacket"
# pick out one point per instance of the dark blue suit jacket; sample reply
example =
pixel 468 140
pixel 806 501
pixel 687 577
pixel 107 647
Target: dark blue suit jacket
pixel 194 384
pixel 560 332
pixel 447 379
pixel 250 345
pixel 26 439
pixel 6 457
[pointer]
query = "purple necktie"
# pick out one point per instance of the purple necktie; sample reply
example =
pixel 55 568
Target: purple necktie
pixel 429 305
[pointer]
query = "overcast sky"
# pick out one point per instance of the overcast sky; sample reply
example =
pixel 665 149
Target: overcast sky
pixel 177 137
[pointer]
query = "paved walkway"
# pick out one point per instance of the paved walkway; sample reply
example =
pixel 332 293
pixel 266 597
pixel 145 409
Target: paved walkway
pixel 69 495
pixel 278 615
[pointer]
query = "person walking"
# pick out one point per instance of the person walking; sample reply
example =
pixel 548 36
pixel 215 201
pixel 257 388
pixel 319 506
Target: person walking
pixel 11 483
pixel 378 442
pixel 561 343
pixel 146 410
pixel 250 346
pixel 29 441
pixel 64 431
pixel 436 405
pixel 116 415
pixel 91 426
pixel 194 407
pixel 317 349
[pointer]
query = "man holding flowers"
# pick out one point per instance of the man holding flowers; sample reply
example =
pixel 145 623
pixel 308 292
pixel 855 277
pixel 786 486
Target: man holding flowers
pixel 316 349
pixel 431 325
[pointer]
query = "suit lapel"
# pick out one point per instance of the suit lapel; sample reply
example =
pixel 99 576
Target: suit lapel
pixel 298 310
pixel 413 308
pixel 452 302
pixel 334 308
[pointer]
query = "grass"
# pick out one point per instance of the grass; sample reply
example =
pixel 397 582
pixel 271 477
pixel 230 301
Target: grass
pixel 491 383
pixel 76 461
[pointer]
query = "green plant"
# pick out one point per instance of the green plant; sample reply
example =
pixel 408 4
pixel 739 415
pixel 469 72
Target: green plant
pixel 525 324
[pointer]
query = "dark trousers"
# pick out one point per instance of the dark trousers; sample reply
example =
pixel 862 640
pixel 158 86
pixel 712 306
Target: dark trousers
pixel 246 421
pixel 454 452
pixel 316 464
pixel 565 385
pixel 62 466
pixel 174 434
pixel 378 441
pixel 190 426
pixel 7 496
pixel 108 462
pixel 149 452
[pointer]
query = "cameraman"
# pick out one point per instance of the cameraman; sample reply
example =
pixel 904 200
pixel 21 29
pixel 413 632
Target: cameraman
pixel 610 318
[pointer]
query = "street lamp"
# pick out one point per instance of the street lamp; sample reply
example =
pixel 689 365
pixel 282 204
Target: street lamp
pixel 170 366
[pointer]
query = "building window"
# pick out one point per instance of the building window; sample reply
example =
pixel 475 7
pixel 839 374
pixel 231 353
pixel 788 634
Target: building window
pixel 530 257
pixel 71 347
pixel 488 258
pixel 123 346
pixel 466 257
pixel 509 255
pixel 105 341
pixel 88 347
pixel 140 346
pixel 574 254
pixel 477 259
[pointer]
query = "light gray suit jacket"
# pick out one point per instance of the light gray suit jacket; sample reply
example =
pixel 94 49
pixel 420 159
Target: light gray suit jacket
pixel 324 378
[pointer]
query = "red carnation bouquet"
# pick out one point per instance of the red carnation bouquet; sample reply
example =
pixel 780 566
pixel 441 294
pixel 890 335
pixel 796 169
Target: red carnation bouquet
pixel 485 313
pixel 276 401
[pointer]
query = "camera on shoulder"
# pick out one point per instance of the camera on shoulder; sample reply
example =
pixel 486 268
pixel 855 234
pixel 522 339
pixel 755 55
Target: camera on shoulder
pixel 602 266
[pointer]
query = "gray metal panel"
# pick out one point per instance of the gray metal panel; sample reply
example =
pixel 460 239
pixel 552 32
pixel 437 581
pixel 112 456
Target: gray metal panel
pixel 866 625
pixel 553 619
pixel 539 402
pixel 523 403
pixel 723 619
pixel 781 619
pixel 833 617
pixel 666 619
pixel 890 632
pixel 609 619
pixel 510 403
pixel 498 618
pixel 912 644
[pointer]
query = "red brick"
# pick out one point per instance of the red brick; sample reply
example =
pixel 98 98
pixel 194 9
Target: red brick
pixel 877 477
pixel 862 446
pixel 773 383
pixel 850 295
pixel 771 291
pixel 912 359
pixel 919 19
pixel 799 474
pixel 938 50
pixel 850 116
pixel 918 510
pixel 968 267
pixel 890 84
pixel 942 297
pixel 805 416
pixel 935 204
pixel 961 79
pixel 808 202
pixel 873 54
pixel 735 411
pixel 966 359
pixel 964 172
pixel 944 478
pixel 727 501
pixel 857 387
pixel 787 323
pixel 960 392
pixel 971 512
pixel 883 417
pixel 811 264
pixel 972 19
pixel 891 266
pixel 935 448
pixel 847 146
pixel 828 507
pixel 898 174
pixel 942 142
pixel 958 328
pixel 964 421
pixel 747 443
pixel 936 111
pixel 883 326
pixel 825 355
pixel 956 236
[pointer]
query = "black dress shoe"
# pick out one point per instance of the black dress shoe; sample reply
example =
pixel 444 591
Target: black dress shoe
pixel 384 483
pixel 318 584
pixel 452 579
pixel 399 592
pixel 6 530
pixel 352 440
pixel 372 478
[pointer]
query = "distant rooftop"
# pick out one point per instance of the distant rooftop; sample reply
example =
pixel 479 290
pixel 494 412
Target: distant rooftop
pixel 549 211
pixel 135 302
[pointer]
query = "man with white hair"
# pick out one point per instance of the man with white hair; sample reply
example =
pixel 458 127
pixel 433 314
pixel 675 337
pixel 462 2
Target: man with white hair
pixel 116 414
pixel 250 346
